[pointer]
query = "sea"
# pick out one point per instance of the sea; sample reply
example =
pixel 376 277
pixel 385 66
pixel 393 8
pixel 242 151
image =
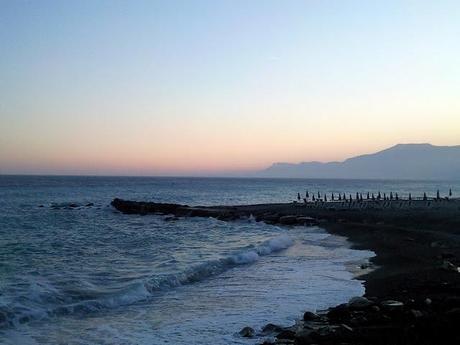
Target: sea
pixel 73 270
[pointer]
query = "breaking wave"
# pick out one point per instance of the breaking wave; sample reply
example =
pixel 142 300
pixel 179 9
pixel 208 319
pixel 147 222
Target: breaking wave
pixel 44 300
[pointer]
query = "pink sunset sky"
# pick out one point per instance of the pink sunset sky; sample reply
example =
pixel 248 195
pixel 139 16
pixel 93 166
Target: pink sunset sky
pixel 205 87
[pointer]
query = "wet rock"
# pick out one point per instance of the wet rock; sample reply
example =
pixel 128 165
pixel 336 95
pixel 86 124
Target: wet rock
pixel 288 220
pixel 340 312
pixel 309 316
pixel 375 308
pixel 428 301
pixel 392 305
pixel 286 334
pixel 41 205
pixel 89 204
pixel 345 328
pixel 270 218
pixel 358 303
pixel 416 314
pixel 308 221
pixel 271 328
pixel 303 336
pixel 134 207
pixel 247 332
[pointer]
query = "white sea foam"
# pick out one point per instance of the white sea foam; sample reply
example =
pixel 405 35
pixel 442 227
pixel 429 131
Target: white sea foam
pixel 41 291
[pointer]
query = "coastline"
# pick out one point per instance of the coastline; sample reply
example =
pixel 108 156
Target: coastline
pixel 411 297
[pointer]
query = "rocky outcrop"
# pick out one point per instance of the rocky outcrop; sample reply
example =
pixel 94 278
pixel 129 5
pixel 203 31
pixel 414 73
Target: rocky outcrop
pixel 373 321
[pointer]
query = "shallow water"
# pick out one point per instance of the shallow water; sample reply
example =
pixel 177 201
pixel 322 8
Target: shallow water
pixel 89 274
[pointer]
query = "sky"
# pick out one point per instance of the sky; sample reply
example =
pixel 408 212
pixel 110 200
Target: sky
pixel 213 87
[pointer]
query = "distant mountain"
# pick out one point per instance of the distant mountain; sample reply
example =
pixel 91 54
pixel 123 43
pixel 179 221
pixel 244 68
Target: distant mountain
pixel 402 161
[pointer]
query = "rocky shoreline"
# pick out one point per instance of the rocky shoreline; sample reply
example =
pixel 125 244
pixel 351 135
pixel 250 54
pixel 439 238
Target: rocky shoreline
pixel 413 297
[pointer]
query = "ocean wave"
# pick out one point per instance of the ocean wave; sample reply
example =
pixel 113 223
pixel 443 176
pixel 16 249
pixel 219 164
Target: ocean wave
pixel 15 313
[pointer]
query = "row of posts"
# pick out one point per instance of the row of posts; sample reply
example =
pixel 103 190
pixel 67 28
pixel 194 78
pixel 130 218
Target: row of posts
pixel 359 196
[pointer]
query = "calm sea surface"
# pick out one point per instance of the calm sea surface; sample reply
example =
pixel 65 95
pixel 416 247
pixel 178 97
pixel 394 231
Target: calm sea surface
pixel 90 275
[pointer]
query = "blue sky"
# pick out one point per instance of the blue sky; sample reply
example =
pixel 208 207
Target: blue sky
pixel 190 87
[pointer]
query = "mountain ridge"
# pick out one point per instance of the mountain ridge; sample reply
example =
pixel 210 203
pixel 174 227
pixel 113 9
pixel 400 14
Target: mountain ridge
pixel 401 161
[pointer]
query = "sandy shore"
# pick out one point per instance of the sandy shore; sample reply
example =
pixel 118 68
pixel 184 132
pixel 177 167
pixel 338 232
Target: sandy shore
pixel 413 295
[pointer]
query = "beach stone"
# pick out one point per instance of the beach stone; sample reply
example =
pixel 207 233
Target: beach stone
pixel 428 301
pixel 416 314
pixel 303 336
pixel 392 305
pixel 359 303
pixel 375 308
pixel 288 220
pixel 340 312
pixel 345 328
pixel 247 332
pixel 309 316
pixel 286 334
pixel 271 328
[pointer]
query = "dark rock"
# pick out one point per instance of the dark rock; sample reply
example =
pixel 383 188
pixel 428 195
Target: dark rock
pixel 309 316
pixel 286 334
pixel 304 336
pixel 375 308
pixel 345 328
pixel 41 206
pixel 308 221
pixel 392 305
pixel 134 207
pixel 271 328
pixel 247 332
pixel 89 204
pixel 288 220
pixel 416 314
pixel 358 303
pixel 338 313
